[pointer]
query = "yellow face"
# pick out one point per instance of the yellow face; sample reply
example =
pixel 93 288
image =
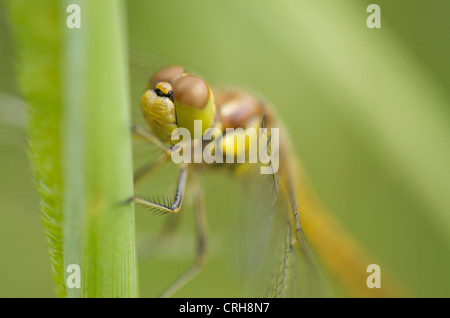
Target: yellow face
pixel 175 99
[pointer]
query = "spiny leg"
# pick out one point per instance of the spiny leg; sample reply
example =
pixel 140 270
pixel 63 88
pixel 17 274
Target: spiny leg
pixel 172 223
pixel 200 256
pixel 165 206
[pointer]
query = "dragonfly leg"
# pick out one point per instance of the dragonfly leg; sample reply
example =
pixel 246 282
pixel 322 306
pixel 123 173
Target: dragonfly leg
pixel 163 206
pixel 140 174
pixel 200 256
pixel 141 132
pixel 151 245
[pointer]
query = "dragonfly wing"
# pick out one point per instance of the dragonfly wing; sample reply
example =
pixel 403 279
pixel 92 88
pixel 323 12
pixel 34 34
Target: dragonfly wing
pixel 275 260
pixel 282 260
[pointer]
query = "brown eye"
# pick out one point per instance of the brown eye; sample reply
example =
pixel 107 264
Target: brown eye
pixel 191 91
pixel 167 74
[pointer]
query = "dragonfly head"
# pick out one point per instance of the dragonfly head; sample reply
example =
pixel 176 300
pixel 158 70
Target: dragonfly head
pixel 176 99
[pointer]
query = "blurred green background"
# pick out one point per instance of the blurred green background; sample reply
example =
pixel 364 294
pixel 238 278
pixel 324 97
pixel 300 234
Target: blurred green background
pixel 367 111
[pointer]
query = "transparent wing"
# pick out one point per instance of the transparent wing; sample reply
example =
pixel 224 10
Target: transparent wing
pixel 270 261
pixel 302 274
pixel 276 259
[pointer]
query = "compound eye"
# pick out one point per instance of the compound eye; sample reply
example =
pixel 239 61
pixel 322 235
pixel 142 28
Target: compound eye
pixel 191 90
pixel 167 74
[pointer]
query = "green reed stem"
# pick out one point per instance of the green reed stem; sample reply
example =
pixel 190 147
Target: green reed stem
pixel 75 83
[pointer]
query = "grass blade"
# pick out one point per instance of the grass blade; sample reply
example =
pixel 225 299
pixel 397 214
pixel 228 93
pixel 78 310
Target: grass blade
pixel 75 84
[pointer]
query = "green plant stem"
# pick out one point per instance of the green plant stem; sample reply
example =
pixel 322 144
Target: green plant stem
pixel 99 223
pixel 75 83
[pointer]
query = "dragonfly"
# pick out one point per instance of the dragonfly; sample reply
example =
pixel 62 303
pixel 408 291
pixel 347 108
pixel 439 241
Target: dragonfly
pixel 292 245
